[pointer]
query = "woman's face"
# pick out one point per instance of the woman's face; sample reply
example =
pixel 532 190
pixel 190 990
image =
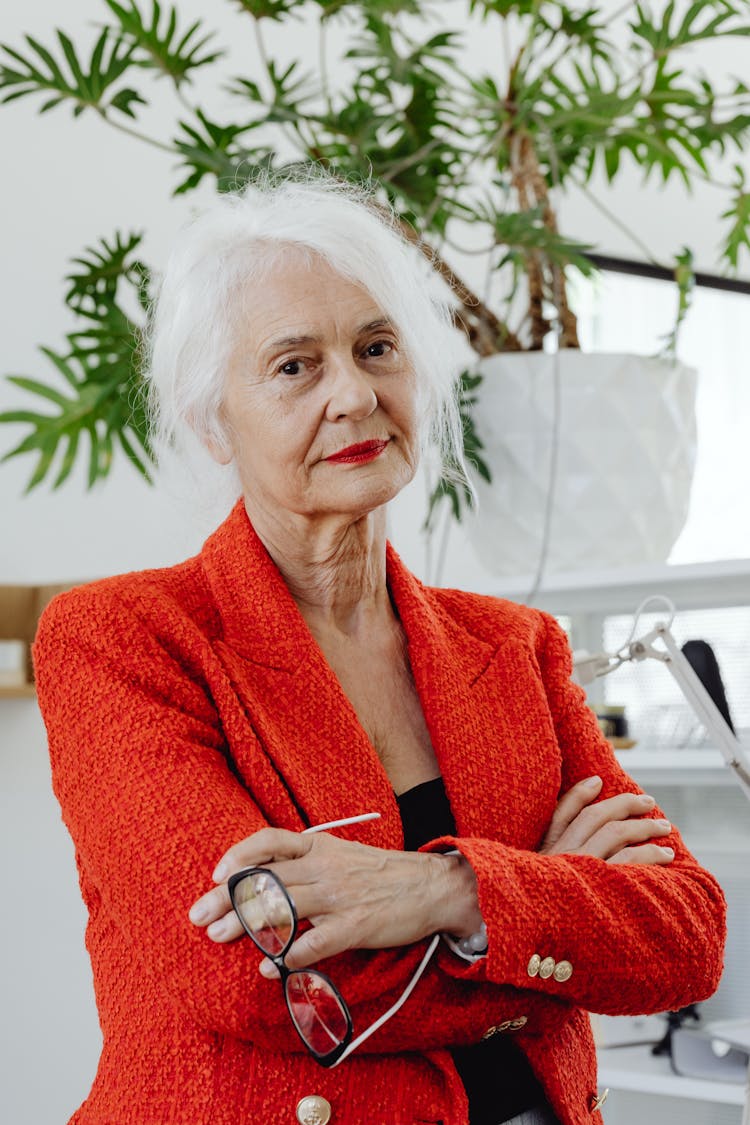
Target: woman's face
pixel 320 403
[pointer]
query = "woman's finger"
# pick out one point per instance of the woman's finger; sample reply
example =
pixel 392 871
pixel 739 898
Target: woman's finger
pixel 568 808
pixel 226 928
pixel 646 854
pixel 214 913
pixel 616 835
pixel 319 942
pixel 622 807
pixel 260 849
pixel 215 904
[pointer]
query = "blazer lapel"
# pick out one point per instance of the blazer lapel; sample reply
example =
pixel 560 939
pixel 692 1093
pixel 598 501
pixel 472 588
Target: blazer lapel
pixel 305 724
pixel 486 711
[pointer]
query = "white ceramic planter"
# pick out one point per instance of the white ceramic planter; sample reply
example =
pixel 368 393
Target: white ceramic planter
pixel 625 460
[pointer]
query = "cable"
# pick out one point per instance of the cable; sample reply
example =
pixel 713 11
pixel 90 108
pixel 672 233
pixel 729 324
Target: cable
pixel 639 613
pixel 549 501
pixel 556 405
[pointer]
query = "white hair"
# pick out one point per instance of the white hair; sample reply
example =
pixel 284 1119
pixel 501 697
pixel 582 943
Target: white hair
pixel 237 241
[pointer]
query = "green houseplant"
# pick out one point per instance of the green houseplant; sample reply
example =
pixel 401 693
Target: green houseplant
pixel 464 158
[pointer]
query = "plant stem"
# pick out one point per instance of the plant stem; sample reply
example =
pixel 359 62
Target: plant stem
pixel 487 334
pixel 529 37
pixel 323 65
pixel 136 133
pixel 407 162
pixel 261 46
pixel 184 102
pixel 617 221
pixel 620 11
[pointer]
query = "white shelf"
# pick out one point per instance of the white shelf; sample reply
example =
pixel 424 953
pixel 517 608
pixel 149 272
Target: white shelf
pixel 658 766
pixel 693 586
pixel 635 1068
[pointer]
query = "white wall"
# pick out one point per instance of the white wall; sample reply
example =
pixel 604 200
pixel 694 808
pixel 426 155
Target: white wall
pixel 63 186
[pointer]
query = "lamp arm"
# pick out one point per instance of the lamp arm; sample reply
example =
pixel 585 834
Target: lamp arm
pixel 700 701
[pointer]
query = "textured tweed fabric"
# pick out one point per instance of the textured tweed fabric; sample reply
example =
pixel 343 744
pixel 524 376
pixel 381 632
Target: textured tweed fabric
pixel 188 707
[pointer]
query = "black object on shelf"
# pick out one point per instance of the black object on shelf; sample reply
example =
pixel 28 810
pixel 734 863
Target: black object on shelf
pixel 676 1020
pixel 700 656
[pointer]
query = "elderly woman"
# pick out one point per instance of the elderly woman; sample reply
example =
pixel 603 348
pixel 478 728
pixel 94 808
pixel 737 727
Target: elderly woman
pixel 203 718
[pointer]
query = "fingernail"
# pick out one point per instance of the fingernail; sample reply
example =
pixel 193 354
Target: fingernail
pixel 668 852
pixel 198 913
pixel 592 781
pixel 647 800
pixel 220 873
pixel 663 823
pixel 216 929
pixel 267 968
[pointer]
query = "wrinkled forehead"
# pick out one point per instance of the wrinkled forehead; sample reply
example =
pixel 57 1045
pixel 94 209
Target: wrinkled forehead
pixel 267 262
pixel 299 292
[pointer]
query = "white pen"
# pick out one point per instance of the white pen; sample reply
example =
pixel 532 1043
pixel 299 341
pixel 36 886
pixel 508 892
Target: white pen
pixel 340 823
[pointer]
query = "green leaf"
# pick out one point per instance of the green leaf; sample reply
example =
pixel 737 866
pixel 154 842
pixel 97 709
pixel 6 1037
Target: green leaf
pixel 684 275
pixel 103 389
pixel 100 270
pixel 738 237
pixel 450 487
pixel 82 82
pixel 29 416
pixel 68 460
pixel 63 366
pixel 526 232
pixel 124 100
pixel 40 72
pixel 210 149
pixel 139 462
pixel 158 45
pixel 700 21
pixel 37 388
pixel 268 9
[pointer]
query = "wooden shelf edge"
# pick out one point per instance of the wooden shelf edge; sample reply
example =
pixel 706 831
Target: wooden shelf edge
pixel 17 691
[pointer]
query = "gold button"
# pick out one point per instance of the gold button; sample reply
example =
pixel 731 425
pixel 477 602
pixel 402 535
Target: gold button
pixel 563 971
pixel 517 1024
pixel 313 1110
pixel 547 968
pixel 533 966
pixel 598 1100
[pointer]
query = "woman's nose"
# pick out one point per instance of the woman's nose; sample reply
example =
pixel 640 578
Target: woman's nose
pixel 351 393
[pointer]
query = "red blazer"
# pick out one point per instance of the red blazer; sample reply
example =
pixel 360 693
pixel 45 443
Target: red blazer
pixel 190 706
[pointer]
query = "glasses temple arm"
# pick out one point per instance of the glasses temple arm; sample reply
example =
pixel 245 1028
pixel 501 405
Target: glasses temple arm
pixel 395 1007
pixel 340 823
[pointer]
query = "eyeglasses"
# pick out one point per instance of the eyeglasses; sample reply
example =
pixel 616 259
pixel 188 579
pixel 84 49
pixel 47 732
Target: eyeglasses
pixel 317 1009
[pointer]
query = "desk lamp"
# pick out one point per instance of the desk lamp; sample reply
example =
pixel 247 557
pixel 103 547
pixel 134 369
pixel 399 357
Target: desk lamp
pixel 659 644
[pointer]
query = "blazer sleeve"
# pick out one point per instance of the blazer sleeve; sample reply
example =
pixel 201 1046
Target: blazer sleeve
pixel 637 938
pixel 141 770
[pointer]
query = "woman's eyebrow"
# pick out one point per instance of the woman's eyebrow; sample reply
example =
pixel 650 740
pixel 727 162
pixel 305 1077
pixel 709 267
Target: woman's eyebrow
pixel 283 342
pixel 381 322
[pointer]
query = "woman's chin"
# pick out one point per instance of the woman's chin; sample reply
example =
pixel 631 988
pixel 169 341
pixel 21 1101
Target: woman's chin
pixel 366 495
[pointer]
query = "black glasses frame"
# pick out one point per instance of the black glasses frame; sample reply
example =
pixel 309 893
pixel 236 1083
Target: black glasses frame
pixel 331 1057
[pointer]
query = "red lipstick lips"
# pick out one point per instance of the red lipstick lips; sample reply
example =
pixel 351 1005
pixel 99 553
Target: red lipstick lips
pixel 358 454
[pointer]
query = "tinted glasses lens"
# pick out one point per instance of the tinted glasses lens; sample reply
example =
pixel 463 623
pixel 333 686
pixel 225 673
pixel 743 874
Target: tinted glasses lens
pixel 317 1011
pixel 265 911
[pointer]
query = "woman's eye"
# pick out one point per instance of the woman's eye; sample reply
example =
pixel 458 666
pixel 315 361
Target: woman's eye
pixel 378 349
pixel 292 367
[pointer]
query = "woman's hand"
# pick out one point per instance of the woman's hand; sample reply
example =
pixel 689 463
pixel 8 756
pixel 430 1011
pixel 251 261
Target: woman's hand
pixel 615 829
pixel 355 896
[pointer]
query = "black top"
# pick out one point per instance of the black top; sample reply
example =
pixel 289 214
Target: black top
pixel 497 1076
